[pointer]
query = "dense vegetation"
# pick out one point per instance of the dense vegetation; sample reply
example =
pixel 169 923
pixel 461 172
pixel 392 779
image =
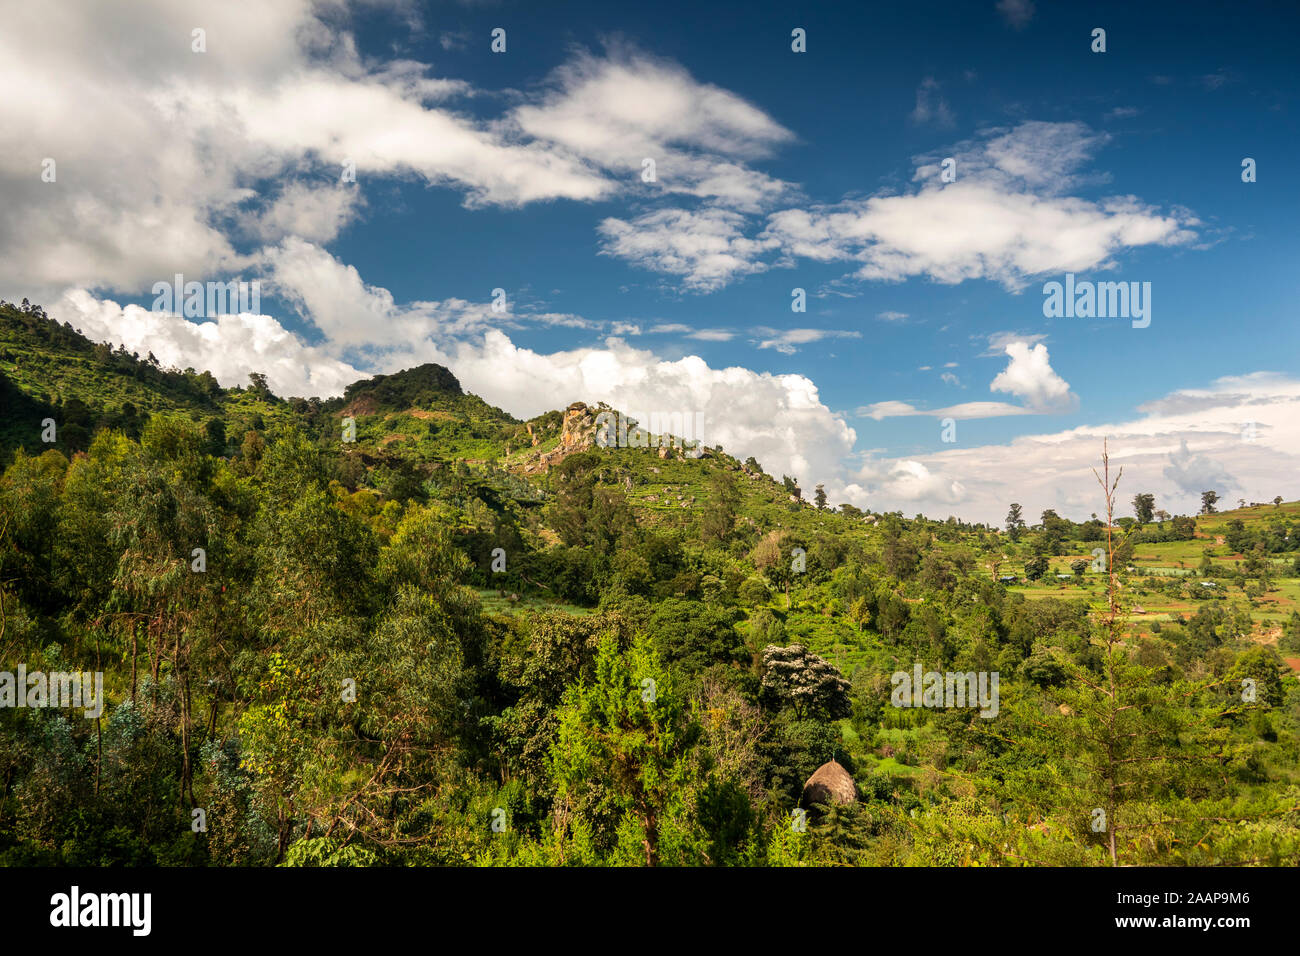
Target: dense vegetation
pixel 457 640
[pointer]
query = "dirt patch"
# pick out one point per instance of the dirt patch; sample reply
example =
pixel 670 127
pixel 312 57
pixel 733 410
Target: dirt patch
pixel 365 405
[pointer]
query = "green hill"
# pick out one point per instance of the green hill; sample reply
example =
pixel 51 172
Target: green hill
pixel 637 654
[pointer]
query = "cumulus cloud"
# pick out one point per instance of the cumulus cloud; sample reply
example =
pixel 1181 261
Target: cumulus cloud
pixel 159 150
pixel 1001 220
pixel 1194 473
pixel 353 315
pixel 260 128
pixel 1238 436
pixel 903 481
pixel 229 346
pixel 1029 376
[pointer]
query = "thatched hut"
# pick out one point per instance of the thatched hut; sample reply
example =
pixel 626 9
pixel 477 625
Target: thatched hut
pixel 830 783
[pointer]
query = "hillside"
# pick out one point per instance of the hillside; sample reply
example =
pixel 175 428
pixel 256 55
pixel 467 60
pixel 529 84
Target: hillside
pixel 356 648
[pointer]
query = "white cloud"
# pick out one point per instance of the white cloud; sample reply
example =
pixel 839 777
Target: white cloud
pixel 787 341
pixel 317 215
pixel 619 110
pixel 1193 473
pixel 701 335
pixel 1238 437
pixel 160 150
pixel 780 419
pixel 965 410
pixel 1001 220
pixel 713 335
pixel 1029 376
pixel 229 346
pixel 707 248
pixel 355 316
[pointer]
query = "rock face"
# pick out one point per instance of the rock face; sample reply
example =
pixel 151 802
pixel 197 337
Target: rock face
pixel 578 430
pixel 830 783
pixel 578 433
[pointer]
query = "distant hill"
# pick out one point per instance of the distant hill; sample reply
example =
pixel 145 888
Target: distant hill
pixel 408 427
pixel 412 387
pixel 50 369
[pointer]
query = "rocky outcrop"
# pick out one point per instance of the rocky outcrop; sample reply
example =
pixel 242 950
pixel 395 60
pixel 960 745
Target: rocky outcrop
pixel 577 434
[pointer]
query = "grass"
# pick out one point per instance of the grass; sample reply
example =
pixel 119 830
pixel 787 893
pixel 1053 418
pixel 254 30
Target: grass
pixel 494 602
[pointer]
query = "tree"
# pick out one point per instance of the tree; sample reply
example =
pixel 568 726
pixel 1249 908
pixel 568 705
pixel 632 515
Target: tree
pixel 583 513
pixel 1015 522
pixel 622 760
pixel 1035 568
pixel 860 612
pixel 795 677
pixel 819 497
pixel 259 387
pixel 1208 499
pixel 724 497
pixel 1277 501
pixel 1139 749
pixel 1144 505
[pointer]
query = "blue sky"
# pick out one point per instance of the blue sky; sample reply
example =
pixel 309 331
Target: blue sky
pixel 775 170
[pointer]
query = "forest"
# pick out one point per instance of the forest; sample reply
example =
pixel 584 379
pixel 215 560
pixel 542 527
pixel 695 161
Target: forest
pixel 401 627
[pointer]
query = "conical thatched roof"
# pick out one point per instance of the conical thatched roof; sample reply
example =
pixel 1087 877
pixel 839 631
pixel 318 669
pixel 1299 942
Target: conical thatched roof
pixel 830 783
